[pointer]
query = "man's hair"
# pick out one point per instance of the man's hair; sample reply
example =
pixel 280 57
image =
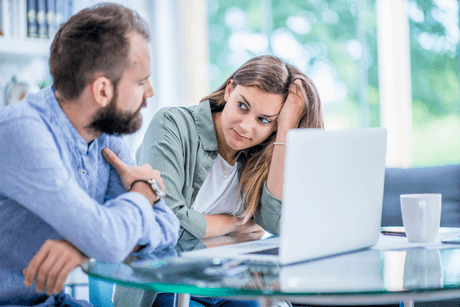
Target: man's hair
pixel 95 40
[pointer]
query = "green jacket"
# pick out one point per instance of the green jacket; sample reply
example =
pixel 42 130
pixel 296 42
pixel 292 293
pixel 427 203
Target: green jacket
pixel 181 143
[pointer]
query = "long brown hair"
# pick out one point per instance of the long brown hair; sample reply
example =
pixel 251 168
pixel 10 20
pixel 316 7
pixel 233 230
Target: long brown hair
pixel 272 75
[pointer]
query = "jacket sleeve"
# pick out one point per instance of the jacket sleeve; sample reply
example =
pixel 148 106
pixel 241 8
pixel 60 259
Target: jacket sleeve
pixel 165 147
pixel 270 212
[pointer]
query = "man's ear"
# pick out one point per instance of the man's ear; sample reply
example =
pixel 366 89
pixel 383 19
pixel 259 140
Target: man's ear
pixel 228 89
pixel 102 91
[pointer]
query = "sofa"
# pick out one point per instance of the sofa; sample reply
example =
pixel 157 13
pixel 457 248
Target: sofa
pixel 439 179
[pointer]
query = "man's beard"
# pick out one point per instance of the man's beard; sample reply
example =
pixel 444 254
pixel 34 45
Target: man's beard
pixel 111 121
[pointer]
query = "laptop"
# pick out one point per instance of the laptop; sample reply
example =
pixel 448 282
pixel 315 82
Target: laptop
pixel 332 198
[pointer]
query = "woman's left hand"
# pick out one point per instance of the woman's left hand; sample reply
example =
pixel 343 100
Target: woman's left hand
pixel 293 109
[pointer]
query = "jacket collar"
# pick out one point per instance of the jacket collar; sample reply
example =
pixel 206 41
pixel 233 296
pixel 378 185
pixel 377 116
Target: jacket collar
pixel 205 126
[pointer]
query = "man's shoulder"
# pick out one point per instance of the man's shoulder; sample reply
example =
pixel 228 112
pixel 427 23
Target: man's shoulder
pixel 114 142
pixel 33 106
pixel 18 115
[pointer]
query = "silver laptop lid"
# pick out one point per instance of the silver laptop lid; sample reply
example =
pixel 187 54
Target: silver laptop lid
pixel 333 191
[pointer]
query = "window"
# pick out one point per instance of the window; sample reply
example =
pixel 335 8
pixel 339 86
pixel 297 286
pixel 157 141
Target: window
pixel 434 43
pixel 335 43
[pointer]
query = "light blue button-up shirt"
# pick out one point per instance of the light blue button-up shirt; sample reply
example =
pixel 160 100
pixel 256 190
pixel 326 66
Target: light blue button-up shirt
pixel 53 186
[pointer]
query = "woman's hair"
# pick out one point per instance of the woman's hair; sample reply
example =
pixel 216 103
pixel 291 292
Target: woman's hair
pixel 94 40
pixel 271 75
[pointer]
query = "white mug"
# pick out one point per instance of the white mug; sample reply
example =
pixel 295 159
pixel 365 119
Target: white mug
pixel 421 214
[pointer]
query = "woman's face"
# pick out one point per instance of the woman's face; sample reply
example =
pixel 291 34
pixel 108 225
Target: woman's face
pixel 249 116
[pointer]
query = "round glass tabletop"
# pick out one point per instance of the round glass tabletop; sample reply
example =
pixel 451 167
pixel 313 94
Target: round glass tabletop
pixel 389 273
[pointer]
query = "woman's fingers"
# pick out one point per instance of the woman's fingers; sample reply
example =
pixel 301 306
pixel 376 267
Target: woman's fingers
pixel 293 109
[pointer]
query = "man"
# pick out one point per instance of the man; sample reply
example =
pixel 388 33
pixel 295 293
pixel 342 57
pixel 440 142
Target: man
pixel 67 179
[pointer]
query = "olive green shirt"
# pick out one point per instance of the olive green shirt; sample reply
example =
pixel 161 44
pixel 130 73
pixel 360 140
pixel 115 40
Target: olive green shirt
pixel 181 143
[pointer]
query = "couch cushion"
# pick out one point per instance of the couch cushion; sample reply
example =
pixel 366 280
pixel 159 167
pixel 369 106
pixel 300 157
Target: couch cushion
pixel 440 179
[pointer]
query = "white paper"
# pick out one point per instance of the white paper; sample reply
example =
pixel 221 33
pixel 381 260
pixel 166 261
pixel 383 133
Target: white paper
pixel 392 242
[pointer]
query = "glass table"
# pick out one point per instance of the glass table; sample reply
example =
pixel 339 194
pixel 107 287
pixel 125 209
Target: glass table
pixel 364 277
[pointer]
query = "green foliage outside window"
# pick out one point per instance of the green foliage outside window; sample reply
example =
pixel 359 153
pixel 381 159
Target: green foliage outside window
pixel 335 43
pixel 434 45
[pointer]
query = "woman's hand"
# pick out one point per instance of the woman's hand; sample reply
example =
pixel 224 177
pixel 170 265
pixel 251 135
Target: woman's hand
pixel 293 109
pixel 51 265
pixel 250 227
pixel 291 113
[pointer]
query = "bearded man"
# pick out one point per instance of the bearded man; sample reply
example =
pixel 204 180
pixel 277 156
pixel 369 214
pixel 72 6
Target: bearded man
pixel 67 179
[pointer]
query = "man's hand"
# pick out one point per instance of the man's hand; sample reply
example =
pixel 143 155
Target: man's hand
pixel 51 265
pixel 128 174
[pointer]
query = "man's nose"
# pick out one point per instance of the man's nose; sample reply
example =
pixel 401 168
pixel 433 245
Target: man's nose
pixel 149 92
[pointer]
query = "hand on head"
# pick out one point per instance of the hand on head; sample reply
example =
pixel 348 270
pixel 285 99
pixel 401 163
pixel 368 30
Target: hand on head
pixel 51 265
pixel 293 109
pixel 128 174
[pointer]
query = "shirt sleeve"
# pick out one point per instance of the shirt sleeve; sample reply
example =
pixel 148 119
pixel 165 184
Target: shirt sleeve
pixel 115 187
pixel 270 212
pixel 35 176
pixel 165 148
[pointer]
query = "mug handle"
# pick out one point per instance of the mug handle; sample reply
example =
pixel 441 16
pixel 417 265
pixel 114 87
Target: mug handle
pixel 422 209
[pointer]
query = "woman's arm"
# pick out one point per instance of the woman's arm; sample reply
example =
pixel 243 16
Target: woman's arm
pixel 170 146
pixel 289 118
pixel 221 224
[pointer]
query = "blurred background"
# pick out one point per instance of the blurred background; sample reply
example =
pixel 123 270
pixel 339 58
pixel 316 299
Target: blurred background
pixel 390 63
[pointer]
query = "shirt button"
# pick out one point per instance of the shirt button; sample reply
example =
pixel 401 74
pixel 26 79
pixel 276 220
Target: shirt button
pixel 208 167
pixel 179 216
pixel 83 172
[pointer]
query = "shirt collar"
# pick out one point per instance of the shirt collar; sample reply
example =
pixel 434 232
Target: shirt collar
pixel 205 126
pixel 64 123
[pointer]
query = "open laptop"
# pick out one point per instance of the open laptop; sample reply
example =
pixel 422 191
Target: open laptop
pixel 332 198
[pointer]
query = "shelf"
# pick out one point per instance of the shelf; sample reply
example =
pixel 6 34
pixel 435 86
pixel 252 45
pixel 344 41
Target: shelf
pixel 24 47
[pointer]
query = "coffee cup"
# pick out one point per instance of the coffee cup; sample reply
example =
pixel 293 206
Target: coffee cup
pixel 421 214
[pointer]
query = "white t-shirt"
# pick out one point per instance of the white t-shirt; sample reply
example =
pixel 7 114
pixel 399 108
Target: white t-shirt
pixel 218 194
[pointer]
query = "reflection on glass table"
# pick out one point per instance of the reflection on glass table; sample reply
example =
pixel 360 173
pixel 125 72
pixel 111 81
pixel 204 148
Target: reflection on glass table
pixel 363 277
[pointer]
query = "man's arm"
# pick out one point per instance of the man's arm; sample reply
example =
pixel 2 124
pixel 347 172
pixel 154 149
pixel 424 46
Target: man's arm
pixel 51 266
pixel 57 258
pixel 34 175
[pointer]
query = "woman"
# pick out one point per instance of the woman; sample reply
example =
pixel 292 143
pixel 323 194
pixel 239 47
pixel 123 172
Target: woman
pixel 222 161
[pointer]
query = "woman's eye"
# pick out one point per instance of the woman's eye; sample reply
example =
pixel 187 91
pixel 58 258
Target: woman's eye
pixel 264 120
pixel 242 106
